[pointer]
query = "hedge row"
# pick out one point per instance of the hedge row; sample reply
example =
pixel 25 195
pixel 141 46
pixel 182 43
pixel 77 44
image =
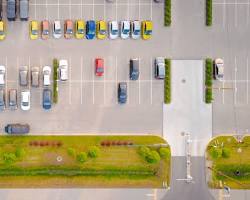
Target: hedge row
pixel 167 82
pixel 55 81
pixel 167 13
pixel 208 80
pixel 209 12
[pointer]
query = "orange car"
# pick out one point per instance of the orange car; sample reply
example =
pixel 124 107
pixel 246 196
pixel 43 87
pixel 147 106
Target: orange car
pixel 68 29
pixel 45 29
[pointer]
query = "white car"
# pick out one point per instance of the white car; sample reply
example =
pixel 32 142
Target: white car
pixel 113 30
pixel 57 29
pixel 125 29
pixel 46 75
pixel 25 100
pixel 2 75
pixel 63 70
pixel 219 69
pixel 135 29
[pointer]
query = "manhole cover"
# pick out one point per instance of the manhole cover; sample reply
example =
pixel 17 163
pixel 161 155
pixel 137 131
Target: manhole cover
pixel 59 158
pixel 183 80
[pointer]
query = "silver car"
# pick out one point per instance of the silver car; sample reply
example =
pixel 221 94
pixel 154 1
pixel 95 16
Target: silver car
pixel 2 100
pixel 23 75
pixel 2 75
pixel 160 68
pixel 13 99
pixel 35 76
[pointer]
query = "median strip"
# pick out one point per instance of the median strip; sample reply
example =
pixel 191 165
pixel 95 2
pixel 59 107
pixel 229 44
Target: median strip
pixel 167 82
pixel 208 80
pixel 209 12
pixel 167 13
pixel 55 81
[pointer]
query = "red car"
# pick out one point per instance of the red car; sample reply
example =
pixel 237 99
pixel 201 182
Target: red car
pixel 99 68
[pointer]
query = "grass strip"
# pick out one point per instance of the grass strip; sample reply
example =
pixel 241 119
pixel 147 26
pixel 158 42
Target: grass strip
pixel 167 82
pixel 55 81
pixel 167 13
pixel 209 12
pixel 208 80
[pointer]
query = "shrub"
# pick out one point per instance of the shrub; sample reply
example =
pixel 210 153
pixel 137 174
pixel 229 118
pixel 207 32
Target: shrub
pixel 93 152
pixel 9 158
pixel 167 82
pixel 165 152
pixel 225 152
pixel 153 157
pixel 81 157
pixel 71 152
pixel 208 80
pixel 55 83
pixel 167 13
pixel 144 151
pixel 20 152
pixel 209 12
pixel 215 152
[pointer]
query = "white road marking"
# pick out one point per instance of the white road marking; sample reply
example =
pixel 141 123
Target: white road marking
pixel 247 80
pixel 81 77
pixel 151 11
pixel 6 80
pixel 223 92
pixel 47 12
pixel 151 81
pixel 93 85
pixel 70 9
pixel 41 73
pixel 104 10
pixel 116 78
pixel 81 9
pixel 116 10
pixel 70 67
pixel 93 10
pixel 128 9
pixel 224 14
pixel 104 84
pixel 139 10
pixel 235 78
pixel 248 12
pixel 35 10
pixel 139 83
pixel 58 10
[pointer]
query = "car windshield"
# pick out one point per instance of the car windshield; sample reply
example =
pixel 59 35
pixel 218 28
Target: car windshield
pixel 1 32
pixel 69 31
pixel 46 32
pixel 99 69
pixel 148 32
pixel 125 31
pixel 103 32
pixel 34 32
pixel 25 103
pixel 80 31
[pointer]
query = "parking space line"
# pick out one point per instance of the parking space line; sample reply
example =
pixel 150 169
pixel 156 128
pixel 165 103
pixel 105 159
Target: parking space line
pixel 41 72
pixel 224 14
pixel 93 10
pixel 116 10
pixel 6 78
pixel 151 80
pixel 29 75
pixel 104 85
pixel 248 11
pixel 93 86
pixel 104 10
pixel 81 9
pixel 151 11
pixel 70 9
pixel 35 10
pixel 81 77
pixel 247 80
pixel 47 12
pixel 17 66
pixel 58 10
pixel 139 83
pixel 139 10
pixel 223 92
pixel 235 78
pixel 70 67
pixel 116 77
pixel 128 8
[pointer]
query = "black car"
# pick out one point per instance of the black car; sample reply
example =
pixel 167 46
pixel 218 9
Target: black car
pixel 47 99
pixel 122 92
pixel 134 69
pixel 17 128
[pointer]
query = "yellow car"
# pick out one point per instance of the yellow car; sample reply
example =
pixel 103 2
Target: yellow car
pixel 33 30
pixel 79 29
pixel 101 29
pixel 147 28
pixel 2 30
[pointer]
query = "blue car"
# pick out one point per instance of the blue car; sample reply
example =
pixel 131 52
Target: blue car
pixel 90 29
pixel 47 99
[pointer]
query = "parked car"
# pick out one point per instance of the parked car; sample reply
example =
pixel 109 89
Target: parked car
pixel 160 68
pixel 25 100
pixel 46 75
pixel 23 75
pixel 125 29
pixel 2 100
pixel 17 128
pixel 99 66
pixel 13 99
pixel 219 69
pixel 68 29
pixel 147 29
pixel 11 10
pixel 134 69
pixel 2 30
pixel 2 75
pixel 158 1
pixel 45 29
pixel 122 92
pixel 135 29
pixel 35 76
pixel 63 70
pixel 57 30
pixel 113 30
pixel 1 10
pixel 101 29
pixel 24 9
pixel 90 29
pixel 33 30
pixel 47 99
pixel 79 29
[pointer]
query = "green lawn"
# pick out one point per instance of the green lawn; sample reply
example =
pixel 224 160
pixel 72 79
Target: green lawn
pixel 232 171
pixel 44 161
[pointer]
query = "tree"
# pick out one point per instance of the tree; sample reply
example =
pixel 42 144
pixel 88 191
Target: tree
pixel 144 151
pixel 81 157
pixel 9 158
pixel 93 152
pixel 153 157
pixel 164 152
pixel 20 152
pixel 225 152
pixel 215 152
pixel 71 152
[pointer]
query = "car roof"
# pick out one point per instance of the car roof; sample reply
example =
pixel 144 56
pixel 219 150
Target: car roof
pixel 1 25
pixel 34 24
pixel 149 25
pixel 80 24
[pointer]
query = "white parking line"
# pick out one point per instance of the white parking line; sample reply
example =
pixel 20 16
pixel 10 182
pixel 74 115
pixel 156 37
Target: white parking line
pixel 223 92
pixel 151 80
pixel 104 85
pixel 116 10
pixel 248 12
pixel 139 10
pixel 151 11
pixel 58 10
pixel 81 9
pixel 41 73
pixel 70 67
pixel 6 78
pixel 116 77
pixel 128 9
pixel 70 9
pixel 93 10
pixel 17 66
pixel 224 14
pixel 35 10
pixel 235 78
pixel 139 83
pixel 247 80
pixel 81 77
pixel 93 85
pixel 47 12
pixel 104 10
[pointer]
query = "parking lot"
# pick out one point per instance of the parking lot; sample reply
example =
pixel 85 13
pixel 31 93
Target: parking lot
pixel 87 103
